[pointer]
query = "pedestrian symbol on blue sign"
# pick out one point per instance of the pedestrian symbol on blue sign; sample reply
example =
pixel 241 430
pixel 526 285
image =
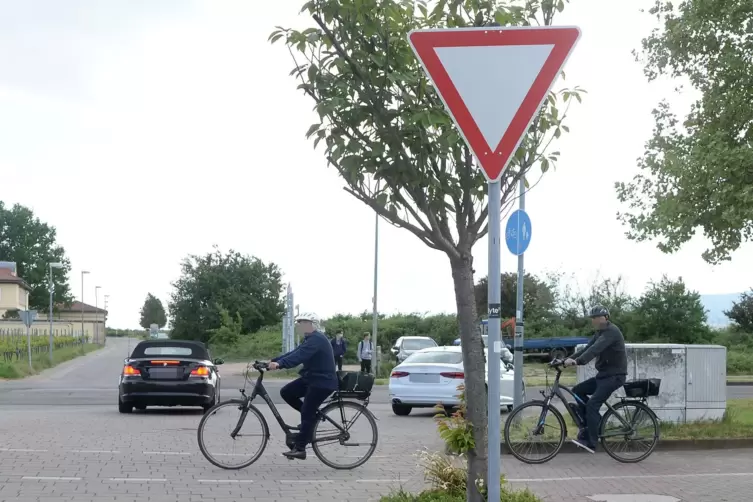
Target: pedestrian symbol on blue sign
pixel 518 232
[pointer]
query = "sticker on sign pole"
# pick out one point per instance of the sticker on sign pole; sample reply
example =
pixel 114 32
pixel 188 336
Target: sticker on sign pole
pixel 493 80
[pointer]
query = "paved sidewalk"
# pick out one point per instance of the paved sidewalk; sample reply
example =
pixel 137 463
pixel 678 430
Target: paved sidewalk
pixel 93 453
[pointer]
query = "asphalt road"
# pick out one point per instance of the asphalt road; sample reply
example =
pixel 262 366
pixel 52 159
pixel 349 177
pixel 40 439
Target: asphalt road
pixel 78 448
pixel 92 380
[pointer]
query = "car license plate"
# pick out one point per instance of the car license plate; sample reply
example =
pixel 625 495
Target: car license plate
pixel 424 378
pixel 163 373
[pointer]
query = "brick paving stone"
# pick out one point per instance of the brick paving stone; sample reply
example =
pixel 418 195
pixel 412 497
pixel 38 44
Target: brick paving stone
pixel 101 447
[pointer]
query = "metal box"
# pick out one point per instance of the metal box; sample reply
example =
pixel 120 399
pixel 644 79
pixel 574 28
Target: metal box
pixel 693 379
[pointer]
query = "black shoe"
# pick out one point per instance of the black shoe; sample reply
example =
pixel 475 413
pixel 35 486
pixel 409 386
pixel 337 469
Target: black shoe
pixel 295 453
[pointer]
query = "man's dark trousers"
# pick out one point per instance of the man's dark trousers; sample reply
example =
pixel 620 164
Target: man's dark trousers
pixel 339 362
pixel 313 397
pixel 599 389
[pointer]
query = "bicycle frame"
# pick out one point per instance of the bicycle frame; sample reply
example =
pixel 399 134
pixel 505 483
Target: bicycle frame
pixel 556 391
pixel 260 390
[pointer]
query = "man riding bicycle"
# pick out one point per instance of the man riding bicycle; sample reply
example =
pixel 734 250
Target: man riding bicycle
pixel 317 381
pixel 608 347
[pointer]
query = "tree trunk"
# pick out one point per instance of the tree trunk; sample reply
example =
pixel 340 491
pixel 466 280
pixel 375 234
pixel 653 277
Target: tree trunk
pixel 474 365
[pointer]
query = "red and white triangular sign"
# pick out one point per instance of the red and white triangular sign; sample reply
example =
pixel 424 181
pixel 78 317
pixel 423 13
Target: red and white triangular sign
pixel 493 81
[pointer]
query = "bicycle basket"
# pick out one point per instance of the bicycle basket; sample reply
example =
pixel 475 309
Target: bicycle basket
pixel 355 384
pixel 642 388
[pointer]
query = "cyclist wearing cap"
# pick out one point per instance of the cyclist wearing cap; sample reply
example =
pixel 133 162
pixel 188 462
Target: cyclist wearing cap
pixel 317 381
pixel 607 346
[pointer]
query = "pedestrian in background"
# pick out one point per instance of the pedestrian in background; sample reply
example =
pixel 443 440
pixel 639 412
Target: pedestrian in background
pixel 339 347
pixel 365 350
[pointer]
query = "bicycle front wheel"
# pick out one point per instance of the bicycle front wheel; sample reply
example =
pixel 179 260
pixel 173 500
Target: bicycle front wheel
pixel 345 430
pixel 629 432
pixel 216 442
pixel 534 428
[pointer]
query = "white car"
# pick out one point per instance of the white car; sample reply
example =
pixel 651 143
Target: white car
pixel 407 345
pixel 431 376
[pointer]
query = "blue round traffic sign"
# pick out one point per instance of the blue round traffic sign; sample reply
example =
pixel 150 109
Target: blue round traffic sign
pixel 518 232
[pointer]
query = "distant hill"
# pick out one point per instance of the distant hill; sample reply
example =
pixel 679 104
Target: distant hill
pixel 715 306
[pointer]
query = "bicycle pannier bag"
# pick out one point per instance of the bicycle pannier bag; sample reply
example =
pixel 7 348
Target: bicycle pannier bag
pixel 642 388
pixel 355 384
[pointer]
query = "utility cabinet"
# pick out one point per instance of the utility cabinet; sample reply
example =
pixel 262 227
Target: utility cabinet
pixel 693 379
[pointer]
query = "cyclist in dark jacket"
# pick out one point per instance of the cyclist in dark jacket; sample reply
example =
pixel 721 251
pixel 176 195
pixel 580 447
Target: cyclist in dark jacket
pixel 608 347
pixel 317 381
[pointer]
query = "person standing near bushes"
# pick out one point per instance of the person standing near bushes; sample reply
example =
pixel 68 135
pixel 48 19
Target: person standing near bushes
pixel 339 347
pixel 364 353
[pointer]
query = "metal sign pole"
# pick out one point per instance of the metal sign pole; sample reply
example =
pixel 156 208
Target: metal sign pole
pixel 494 340
pixel 518 356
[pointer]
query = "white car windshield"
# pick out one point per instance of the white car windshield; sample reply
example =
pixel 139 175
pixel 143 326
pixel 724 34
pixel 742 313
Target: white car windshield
pixel 418 344
pixel 435 357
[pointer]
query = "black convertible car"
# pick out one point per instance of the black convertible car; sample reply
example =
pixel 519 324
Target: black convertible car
pixel 169 373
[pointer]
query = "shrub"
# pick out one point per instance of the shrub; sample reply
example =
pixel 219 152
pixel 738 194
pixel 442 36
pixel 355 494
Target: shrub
pixel 448 478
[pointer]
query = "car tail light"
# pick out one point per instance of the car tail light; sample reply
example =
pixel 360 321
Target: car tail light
pixel 453 374
pixel 399 374
pixel 201 371
pixel 164 362
pixel 130 371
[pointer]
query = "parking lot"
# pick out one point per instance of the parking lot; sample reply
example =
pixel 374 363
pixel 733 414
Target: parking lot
pixel 64 440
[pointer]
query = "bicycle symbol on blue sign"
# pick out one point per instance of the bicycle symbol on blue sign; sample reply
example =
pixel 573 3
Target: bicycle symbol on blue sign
pixel 518 232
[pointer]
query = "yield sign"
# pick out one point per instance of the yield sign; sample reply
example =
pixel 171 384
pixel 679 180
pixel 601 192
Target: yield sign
pixel 493 81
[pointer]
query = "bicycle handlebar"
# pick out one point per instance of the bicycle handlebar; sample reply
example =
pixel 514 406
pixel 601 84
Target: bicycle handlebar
pixel 260 365
pixel 557 363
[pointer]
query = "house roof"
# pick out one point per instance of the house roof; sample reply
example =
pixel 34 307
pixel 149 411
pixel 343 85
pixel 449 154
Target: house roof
pixel 8 277
pixel 78 307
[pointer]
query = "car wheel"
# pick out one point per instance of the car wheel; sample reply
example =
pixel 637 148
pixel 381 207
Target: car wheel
pixel 124 407
pixel 401 410
pixel 509 408
pixel 216 400
pixel 140 407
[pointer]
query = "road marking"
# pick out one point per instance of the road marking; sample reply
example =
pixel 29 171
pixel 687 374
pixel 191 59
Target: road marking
pixel 140 480
pixel 225 480
pixel 49 478
pixel 374 480
pixel 166 453
pixel 24 450
pixel 636 476
pixel 95 451
pixel 306 481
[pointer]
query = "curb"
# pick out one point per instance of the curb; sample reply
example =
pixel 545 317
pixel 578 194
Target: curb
pixel 672 445
pixel 735 383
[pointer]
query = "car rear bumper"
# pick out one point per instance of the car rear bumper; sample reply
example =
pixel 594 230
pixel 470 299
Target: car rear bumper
pixel 427 396
pixel 166 393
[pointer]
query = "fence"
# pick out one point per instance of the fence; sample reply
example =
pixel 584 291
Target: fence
pixel 14 345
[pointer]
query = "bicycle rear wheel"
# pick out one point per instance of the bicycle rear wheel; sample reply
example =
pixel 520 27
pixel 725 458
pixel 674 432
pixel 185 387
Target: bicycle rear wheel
pixel 630 433
pixel 357 439
pixel 216 443
pixel 527 431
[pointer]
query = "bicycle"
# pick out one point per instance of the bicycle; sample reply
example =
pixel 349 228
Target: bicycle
pixel 337 402
pixel 636 396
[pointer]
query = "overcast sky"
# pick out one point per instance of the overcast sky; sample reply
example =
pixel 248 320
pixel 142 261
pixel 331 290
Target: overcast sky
pixel 148 130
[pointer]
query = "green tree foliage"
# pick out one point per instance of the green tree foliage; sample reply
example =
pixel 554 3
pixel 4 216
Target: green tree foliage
pixel 667 311
pixel 697 173
pixel 230 332
pixel 152 312
pixel 385 131
pixel 610 292
pixel 32 244
pixel 741 312
pixel 538 296
pixel 242 285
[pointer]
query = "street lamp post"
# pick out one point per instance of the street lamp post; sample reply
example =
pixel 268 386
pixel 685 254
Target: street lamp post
pixel 52 294
pixel 96 308
pixel 83 273
pixel 104 319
